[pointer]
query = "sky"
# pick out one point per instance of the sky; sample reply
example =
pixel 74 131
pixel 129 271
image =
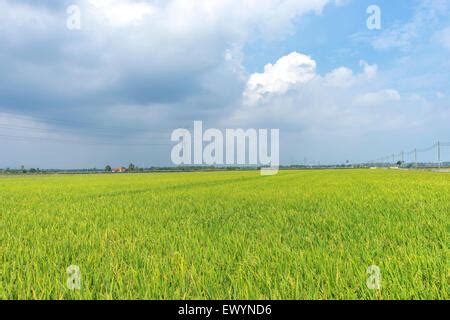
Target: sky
pixel 111 89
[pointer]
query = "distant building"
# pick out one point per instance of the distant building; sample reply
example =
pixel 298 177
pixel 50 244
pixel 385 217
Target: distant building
pixel 119 169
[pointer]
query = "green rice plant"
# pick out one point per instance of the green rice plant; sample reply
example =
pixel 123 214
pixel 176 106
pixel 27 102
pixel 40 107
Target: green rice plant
pixel 226 235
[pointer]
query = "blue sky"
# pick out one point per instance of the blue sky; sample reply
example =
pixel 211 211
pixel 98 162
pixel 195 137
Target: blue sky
pixel 112 91
pixel 331 37
pixel 327 36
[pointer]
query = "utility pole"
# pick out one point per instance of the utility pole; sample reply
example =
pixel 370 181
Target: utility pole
pixel 403 157
pixel 415 157
pixel 439 153
pixel 393 158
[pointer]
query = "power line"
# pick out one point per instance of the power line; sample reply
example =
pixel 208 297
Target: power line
pixel 101 132
pixel 427 149
pixel 80 125
pixel 55 130
pixel 96 143
pixel 415 152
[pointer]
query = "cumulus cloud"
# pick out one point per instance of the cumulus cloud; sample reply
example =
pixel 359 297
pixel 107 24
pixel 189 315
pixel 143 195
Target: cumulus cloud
pixel 339 104
pixel 154 65
pixel 134 52
pixel 343 77
pixel 278 78
pixel 377 98
pixel 123 12
pixel 157 65
pixel 292 93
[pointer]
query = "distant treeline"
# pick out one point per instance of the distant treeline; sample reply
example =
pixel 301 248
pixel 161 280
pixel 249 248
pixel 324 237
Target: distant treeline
pixel 136 169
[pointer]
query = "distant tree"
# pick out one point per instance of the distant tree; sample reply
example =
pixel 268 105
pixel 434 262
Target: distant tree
pixel 131 167
pixel 22 168
pixel 33 170
pixel 108 168
pixel 399 163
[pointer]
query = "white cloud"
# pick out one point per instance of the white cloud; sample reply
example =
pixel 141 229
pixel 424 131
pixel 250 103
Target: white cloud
pixel 343 77
pixel 410 34
pixel 243 19
pixel 338 105
pixel 164 63
pixel 123 12
pixel 278 78
pixel 294 71
pixel 340 77
pixel 377 98
pixel 137 52
pixel 399 36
